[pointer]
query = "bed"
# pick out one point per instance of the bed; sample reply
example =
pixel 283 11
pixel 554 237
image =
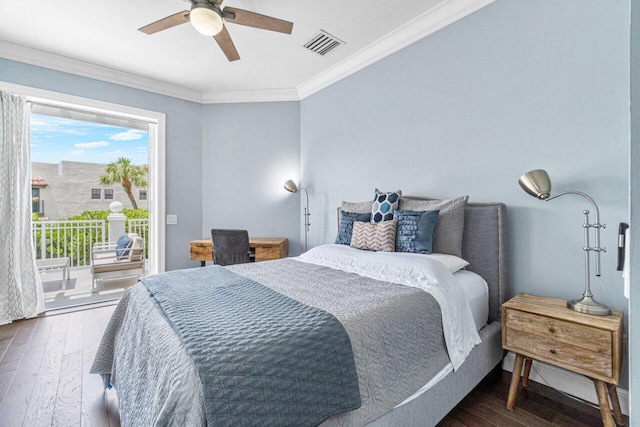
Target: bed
pixel 147 361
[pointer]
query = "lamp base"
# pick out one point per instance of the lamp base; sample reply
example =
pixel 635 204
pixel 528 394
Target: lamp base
pixel 588 305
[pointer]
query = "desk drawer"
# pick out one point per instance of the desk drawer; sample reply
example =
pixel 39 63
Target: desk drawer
pixel 266 253
pixel 577 347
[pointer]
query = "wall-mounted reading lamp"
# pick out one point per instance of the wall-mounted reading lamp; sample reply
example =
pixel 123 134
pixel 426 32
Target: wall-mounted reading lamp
pixel 293 188
pixel 538 184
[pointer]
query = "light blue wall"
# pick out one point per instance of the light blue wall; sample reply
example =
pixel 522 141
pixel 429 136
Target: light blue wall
pixel 183 143
pixel 249 151
pixel 634 309
pixel 515 86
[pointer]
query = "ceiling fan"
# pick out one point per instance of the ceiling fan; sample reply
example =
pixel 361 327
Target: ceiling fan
pixel 207 18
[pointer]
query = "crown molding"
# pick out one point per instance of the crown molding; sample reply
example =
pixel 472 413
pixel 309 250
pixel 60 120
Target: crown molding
pixel 257 95
pixel 78 67
pixel 427 23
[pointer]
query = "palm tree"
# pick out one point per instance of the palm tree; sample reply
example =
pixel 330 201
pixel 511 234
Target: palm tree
pixel 123 172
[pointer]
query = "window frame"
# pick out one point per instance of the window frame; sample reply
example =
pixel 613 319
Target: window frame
pixel 36 204
pixel 157 155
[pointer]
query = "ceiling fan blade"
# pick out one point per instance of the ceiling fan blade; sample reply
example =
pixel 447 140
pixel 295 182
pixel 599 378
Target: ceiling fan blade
pixel 166 23
pixel 252 19
pixel 226 44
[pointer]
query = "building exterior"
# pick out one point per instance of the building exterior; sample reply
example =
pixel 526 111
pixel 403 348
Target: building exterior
pixel 61 190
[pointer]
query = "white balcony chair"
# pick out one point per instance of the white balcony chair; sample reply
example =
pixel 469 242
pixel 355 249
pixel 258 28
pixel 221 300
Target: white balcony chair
pixel 107 265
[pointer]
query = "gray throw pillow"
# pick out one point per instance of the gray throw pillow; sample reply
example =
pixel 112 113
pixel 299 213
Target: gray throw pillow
pixel 357 207
pixel 415 231
pixel 374 236
pixel 447 237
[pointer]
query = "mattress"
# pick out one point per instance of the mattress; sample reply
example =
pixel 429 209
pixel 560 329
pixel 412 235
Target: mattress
pixel 476 291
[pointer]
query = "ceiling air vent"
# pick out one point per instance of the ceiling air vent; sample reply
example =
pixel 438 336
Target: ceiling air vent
pixel 323 43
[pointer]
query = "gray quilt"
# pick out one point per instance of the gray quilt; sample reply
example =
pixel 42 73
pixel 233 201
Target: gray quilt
pixel 263 358
pixel 395 331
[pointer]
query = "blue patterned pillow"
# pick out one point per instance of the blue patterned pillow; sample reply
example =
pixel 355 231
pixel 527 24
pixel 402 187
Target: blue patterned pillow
pixel 415 231
pixel 345 228
pixel 384 204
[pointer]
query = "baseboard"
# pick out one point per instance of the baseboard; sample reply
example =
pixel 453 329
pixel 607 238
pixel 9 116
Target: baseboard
pixel 566 381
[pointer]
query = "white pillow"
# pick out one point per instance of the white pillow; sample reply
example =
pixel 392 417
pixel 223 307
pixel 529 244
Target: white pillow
pixel 452 262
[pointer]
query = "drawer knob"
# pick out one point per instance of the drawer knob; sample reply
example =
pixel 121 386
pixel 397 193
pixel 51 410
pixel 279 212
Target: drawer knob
pixel 552 330
pixel 553 351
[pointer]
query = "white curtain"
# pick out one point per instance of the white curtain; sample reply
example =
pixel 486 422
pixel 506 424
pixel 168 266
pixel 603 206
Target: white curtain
pixel 21 292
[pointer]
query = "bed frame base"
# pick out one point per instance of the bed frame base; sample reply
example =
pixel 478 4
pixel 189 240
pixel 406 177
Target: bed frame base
pixel 434 404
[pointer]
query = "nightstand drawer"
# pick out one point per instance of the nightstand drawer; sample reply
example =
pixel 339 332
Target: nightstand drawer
pixel 545 349
pixel 572 334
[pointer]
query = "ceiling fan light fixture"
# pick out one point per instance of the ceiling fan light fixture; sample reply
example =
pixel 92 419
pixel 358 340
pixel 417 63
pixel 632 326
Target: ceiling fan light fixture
pixel 206 19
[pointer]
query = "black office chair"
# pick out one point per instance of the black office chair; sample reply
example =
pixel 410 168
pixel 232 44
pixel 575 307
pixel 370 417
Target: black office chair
pixel 230 247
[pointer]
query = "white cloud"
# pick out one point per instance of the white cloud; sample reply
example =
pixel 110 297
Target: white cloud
pixel 58 125
pixel 113 154
pixel 77 153
pixel 37 122
pixel 95 144
pixel 130 135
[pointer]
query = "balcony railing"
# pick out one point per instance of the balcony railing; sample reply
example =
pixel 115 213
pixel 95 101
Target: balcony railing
pixel 140 226
pixel 74 239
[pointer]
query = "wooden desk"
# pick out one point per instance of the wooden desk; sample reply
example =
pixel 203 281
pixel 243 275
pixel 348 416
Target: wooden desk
pixel 264 248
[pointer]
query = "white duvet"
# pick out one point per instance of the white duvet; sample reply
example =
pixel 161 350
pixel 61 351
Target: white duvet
pixel 419 271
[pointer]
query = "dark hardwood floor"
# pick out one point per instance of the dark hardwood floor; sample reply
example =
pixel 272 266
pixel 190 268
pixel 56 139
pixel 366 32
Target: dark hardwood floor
pixel 45 380
pixel 536 405
pixel 44 372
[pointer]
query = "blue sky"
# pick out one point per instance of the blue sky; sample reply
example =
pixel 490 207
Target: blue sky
pixel 54 139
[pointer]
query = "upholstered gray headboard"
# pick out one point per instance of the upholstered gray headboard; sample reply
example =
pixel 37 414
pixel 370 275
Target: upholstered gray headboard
pixel 485 246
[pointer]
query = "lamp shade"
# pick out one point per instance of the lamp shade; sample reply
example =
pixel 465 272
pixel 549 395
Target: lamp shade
pixel 205 19
pixel 536 183
pixel 291 186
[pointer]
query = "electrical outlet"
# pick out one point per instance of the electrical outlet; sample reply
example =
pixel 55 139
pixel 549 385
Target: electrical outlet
pixel 172 219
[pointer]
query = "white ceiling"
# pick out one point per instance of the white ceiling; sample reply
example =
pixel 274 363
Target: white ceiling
pixel 99 39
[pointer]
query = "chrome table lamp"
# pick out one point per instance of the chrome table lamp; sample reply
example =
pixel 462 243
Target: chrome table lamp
pixel 538 184
pixel 293 188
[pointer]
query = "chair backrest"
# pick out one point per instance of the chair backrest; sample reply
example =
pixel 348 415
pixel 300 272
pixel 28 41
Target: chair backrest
pixel 230 246
pixel 136 250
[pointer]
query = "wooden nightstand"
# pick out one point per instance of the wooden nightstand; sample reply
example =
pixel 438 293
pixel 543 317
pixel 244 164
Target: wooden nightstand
pixel 545 329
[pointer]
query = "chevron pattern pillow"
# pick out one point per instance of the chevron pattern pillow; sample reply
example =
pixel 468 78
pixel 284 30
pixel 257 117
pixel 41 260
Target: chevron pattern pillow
pixel 374 236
